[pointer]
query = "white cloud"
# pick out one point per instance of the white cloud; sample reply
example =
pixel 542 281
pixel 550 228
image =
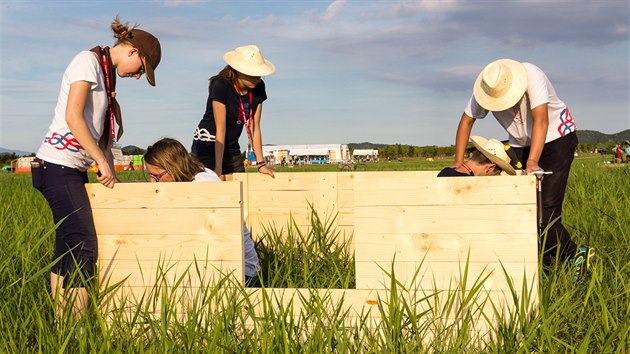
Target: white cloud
pixel 334 10
pixel 178 3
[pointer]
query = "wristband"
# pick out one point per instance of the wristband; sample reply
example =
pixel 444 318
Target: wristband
pixel 260 164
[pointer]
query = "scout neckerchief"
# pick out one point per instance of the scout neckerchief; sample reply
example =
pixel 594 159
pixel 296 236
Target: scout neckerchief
pixel 110 87
pixel 246 119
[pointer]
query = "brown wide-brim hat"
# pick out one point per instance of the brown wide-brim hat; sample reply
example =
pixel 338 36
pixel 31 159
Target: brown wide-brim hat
pixel 500 85
pixel 494 150
pixel 249 61
pixel 150 51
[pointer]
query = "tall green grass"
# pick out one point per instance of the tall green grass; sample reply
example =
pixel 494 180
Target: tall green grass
pixel 588 316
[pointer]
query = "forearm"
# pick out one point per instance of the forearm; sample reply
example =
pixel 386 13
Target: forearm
pixel 257 142
pixel 220 118
pixel 539 134
pixel 461 139
pixel 78 127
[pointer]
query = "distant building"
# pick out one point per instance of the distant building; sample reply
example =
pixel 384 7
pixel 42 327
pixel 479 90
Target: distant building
pixel 365 154
pixel 121 163
pixel 305 154
pixel 22 164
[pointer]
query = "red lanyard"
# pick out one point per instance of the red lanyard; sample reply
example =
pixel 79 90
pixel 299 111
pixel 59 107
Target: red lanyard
pixel 247 120
pixel 470 172
pixel 110 106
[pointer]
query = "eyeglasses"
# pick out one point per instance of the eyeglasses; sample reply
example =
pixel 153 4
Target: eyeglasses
pixel 158 176
pixel 141 71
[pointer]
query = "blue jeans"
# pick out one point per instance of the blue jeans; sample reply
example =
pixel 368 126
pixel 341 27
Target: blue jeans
pixel 75 243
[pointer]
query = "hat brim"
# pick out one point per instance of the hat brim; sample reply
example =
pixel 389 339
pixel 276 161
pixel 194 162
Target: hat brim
pixel 511 97
pixel 232 58
pixel 479 142
pixel 148 71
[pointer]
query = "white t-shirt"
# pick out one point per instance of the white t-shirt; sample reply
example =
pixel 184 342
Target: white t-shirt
pixel 206 176
pixel 252 264
pixel 59 145
pixel 518 122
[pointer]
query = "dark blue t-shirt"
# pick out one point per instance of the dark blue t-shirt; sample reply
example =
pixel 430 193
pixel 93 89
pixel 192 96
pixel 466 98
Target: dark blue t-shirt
pixel 451 172
pixel 224 91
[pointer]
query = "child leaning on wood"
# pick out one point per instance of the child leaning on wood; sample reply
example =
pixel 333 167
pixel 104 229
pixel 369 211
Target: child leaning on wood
pixel 488 159
pixel 168 161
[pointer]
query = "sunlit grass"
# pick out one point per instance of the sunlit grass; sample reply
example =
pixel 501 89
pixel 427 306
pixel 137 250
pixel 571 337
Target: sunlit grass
pixel 587 316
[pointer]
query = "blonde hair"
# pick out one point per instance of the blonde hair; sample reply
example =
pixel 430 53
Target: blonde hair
pixel 121 31
pixel 171 155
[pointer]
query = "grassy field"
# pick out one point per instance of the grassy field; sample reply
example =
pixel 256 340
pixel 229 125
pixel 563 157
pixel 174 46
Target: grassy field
pixel 588 316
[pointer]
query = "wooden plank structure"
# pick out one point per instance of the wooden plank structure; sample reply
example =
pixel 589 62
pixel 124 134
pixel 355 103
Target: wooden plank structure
pixel 437 235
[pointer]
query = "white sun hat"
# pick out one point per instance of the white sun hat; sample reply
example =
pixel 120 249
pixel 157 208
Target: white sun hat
pixel 494 150
pixel 500 85
pixel 249 61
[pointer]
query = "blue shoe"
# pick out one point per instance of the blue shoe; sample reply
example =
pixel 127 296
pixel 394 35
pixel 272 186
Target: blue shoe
pixel 583 261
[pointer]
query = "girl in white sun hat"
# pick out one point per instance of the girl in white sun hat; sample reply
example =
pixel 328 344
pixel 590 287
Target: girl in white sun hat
pixel 235 102
pixel 541 132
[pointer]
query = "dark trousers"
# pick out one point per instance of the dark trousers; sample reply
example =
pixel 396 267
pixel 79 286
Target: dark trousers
pixel 557 157
pixel 230 164
pixel 75 242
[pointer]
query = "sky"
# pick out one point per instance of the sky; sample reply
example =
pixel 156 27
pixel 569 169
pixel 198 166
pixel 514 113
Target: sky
pixel 347 71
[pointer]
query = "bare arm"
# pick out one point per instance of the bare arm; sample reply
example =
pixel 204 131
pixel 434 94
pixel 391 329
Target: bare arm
pixel 77 96
pixel 257 142
pixel 220 115
pixel 540 116
pixel 461 139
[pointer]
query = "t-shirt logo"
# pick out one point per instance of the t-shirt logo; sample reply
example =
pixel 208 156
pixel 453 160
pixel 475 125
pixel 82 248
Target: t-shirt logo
pixel 64 142
pixel 567 125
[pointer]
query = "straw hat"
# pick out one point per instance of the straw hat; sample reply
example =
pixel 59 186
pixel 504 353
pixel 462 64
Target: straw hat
pixel 494 150
pixel 249 61
pixel 500 85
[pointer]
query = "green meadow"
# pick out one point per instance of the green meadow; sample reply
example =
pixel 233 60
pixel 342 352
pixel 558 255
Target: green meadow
pixel 590 315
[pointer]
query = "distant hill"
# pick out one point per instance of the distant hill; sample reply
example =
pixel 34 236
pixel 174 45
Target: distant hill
pixel 584 136
pixel 132 150
pixel 366 145
pixel 17 152
pixel 595 137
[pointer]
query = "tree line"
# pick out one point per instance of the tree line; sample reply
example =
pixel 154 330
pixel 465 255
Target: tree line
pixel 432 151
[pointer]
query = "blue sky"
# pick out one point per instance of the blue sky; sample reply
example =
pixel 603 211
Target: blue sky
pixel 347 70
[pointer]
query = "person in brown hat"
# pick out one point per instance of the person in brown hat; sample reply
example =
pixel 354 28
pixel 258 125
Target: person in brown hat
pixel 81 135
pixel 234 102
pixel 541 132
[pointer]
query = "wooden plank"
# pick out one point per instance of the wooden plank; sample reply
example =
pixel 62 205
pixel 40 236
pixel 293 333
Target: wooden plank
pixel 218 221
pixel 438 247
pixel 168 195
pixel 480 219
pixel 357 307
pixel 445 275
pixel 373 190
pixel 172 246
pixel 148 273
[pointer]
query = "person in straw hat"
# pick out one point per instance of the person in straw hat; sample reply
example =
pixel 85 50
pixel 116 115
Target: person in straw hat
pixel 541 132
pixel 81 134
pixel 235 102
pixel 489 158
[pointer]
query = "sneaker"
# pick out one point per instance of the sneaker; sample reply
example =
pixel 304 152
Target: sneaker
pixel 583 260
